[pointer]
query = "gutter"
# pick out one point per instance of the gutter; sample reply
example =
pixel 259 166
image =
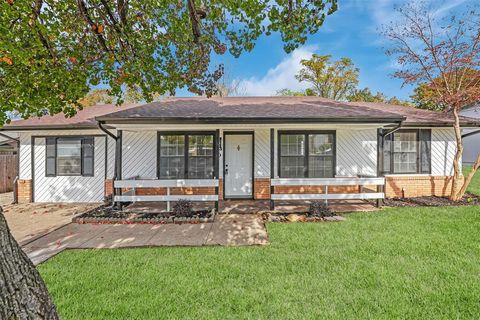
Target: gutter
pixel 15 191
pixel 389 132
pixel 118 156
pixel 470 133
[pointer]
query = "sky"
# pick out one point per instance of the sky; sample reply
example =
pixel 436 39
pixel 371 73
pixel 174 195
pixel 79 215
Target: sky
pixel 352 31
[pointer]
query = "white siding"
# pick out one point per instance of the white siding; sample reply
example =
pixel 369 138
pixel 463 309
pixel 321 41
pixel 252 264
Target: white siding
pixel 139 154
pixel 444 147
pixel 25 156
pixel 262 153
pixel 357 152
pixel 69 189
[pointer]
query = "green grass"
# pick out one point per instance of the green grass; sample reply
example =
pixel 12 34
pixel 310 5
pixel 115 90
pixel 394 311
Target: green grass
pixel 419 263
pixel 474 186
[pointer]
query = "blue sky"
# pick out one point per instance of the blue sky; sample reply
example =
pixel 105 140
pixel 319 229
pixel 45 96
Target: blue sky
pixel 352 31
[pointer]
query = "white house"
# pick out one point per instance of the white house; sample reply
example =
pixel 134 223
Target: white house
pixel 236 148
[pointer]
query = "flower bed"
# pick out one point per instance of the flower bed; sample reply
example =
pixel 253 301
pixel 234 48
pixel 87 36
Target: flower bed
pixel 432 201
pixel 108 215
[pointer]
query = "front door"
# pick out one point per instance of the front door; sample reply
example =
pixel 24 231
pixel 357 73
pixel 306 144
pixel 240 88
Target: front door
pixel 238 165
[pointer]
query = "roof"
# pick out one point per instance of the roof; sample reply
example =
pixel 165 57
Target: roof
pixel 245 110
pixel 84 119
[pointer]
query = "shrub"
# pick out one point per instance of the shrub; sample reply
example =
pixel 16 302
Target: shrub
pixel 319 209
pixel 183 208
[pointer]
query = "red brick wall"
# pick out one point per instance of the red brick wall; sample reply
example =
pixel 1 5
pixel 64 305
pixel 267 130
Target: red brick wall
pixel 315 189
pixel 261 188
pixel 417 186
pixel 108 188
pixel 24 191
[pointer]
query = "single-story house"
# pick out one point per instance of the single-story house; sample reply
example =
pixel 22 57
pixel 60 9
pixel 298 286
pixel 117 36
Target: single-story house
pixel 278 148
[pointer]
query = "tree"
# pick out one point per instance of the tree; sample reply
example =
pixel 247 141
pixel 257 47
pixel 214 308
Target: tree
pixel 441 53
pixel 53 52
pixel 291 93
pixel 424 96
pixel 365 95
pixel 329 79
pixel 226 86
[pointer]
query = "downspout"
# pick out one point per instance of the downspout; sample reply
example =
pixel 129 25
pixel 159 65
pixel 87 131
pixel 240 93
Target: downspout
pixel 15 191
pixel 470 134
pixel 116 164
pixel 396 128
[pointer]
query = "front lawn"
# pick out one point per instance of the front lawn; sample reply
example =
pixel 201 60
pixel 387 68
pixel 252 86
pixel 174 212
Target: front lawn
pixel 406 263
pixel 474 186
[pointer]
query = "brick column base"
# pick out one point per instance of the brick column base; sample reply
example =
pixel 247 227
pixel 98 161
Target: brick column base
pixel 24 191
pixel 261 189
pixel 108 191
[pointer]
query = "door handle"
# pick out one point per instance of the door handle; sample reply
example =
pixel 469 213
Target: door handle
pixel 226 169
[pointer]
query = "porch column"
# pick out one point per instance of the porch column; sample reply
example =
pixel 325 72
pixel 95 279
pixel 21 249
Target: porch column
pixel 118 167
pixel 380 188
pixel 272 166
pixel 216 165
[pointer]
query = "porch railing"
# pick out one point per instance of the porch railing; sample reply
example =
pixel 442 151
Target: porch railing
pixel 137 183
pixel 325 183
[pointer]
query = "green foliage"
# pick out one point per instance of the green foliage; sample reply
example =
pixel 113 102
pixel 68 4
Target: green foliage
pixel 52 53
pixel 398 263
pixel 329 79
pixel 365 95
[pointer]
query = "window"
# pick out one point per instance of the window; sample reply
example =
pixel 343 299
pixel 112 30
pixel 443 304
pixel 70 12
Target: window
pixel 306 154
pixel 69 156
pixel 407 152
pixel 186 156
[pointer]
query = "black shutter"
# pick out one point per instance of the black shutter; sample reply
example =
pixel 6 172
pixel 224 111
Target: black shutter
pixel 387 153
pixel 87 156
pixel 425 138
pixel 50 156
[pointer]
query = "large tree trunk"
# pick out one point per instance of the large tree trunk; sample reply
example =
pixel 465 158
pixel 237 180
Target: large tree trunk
pixel 23 294
pixel 454 195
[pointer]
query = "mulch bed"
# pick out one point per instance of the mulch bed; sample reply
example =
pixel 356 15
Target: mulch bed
pixel 432 201
pixel 108 215
pixel 297 217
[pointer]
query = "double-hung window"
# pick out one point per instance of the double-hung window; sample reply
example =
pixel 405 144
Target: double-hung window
pixel 306 154
pixel 69 156
pixel 186 156
pixel 407 152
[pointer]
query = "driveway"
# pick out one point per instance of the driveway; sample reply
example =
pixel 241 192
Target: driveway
pixel 32 220
pixel 232 229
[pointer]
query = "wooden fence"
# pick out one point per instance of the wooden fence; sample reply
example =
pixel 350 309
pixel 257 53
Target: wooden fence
pixel 8 171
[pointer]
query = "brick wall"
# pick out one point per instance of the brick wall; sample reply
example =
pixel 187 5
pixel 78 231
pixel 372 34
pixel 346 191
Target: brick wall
pixel 417 186
pixel 261 188
pixel 24 191
pixel 315 189
pixel 108 187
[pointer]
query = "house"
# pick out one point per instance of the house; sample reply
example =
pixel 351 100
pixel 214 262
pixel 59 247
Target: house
pixel 278 148
pixel 471 142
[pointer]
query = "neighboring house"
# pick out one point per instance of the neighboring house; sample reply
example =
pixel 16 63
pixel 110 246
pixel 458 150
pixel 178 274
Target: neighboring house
pixel 471 144
pixel 236 148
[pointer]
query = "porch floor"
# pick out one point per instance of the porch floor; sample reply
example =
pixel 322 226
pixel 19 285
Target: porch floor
pixel 258 206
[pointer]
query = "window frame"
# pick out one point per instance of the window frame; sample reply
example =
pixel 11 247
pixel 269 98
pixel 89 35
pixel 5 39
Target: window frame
pixel 82 144
pixel 186 135
pixel 418 153
pixel 306 156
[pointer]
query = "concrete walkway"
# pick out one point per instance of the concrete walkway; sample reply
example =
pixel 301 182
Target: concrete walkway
pixel 233 229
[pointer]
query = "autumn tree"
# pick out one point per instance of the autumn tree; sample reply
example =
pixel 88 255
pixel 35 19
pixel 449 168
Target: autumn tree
pixel 440 53
pixel 329 79
pixel 53 52
pixel 365 95
pixel 425 96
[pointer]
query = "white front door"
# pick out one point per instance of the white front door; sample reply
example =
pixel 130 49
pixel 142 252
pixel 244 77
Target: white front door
pixel 238 165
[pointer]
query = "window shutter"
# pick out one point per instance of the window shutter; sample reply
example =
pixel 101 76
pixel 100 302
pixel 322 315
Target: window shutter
pixel 425 150
pixel 87 156
pixel 50 156
pixel 387 153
